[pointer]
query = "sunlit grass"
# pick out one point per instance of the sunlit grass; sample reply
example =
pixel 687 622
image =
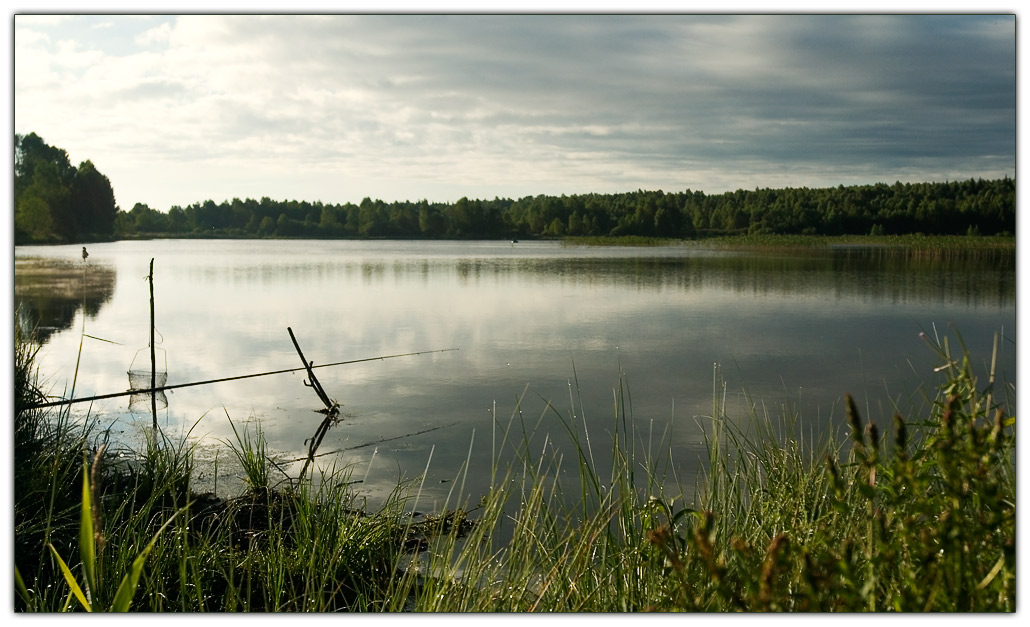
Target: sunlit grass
pixel 619 240
pixel 918 515
pixel 912 242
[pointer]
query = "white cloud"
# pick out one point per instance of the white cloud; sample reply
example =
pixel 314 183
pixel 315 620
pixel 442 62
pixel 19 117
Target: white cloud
pixel 160 34
pixel 70 55
pixel 42 20
pixel 390 105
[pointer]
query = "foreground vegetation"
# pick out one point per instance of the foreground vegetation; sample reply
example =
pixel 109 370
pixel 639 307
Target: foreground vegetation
pixel 915 516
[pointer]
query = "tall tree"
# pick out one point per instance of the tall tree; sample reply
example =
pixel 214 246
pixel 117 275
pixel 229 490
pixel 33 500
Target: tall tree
pixel 42 204
pixel 93 201
pixel 53 199
pixel 31 152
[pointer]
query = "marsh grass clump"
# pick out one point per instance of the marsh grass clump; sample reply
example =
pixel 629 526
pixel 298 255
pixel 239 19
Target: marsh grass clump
pixel 917 515
pixel 619 240
pixel 937 247
pixel 923 522
pixel 48 456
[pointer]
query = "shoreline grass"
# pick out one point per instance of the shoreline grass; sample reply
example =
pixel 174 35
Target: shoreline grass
pixel 916 241
pixel 914 516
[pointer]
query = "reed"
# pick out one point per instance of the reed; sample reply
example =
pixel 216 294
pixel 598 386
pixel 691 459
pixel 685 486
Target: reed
pixel 925 246
pixel 940 246
pixel 917 515
pixel 618 240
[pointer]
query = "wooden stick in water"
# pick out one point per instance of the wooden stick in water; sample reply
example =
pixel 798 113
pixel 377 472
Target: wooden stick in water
pixel 332 408
pixel 153 357
pixel 314 384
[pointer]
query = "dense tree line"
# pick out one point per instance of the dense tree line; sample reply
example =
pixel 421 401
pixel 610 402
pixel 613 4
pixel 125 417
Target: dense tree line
pixel 952 208
pixel 55 201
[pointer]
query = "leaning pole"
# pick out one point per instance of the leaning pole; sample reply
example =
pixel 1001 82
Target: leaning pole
pixel 153 358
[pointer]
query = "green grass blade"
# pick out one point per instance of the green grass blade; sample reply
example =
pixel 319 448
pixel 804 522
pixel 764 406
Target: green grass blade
pixel 23 590
pixel 129 583
pixel 76 590
pixel 87 544
pixel 127 588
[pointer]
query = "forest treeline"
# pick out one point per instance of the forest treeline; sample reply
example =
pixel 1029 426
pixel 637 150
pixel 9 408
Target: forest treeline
pixel 56 202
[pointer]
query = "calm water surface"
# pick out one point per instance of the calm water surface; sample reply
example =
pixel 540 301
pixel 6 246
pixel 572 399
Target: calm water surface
pixel 536 324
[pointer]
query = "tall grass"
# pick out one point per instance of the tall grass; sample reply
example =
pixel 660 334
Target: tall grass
pixel 618 240
pixel 918 519
pixel 914 516
pixel 926 246
pixel 930 246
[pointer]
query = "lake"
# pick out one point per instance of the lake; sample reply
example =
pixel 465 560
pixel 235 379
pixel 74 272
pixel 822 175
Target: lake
pixel 542 331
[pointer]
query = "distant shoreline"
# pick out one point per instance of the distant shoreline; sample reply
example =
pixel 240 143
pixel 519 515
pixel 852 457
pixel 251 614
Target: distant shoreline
pixel 739 242
pixel 771 242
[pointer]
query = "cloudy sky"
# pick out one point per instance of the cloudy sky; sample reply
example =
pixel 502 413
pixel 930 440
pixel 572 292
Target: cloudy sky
pixel 182 109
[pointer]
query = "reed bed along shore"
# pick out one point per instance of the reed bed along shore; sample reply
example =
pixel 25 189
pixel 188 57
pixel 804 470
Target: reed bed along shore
pixel 917 244
pixel 917 515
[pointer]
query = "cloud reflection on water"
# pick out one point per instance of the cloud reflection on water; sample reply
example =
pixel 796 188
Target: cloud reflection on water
pixel 797 330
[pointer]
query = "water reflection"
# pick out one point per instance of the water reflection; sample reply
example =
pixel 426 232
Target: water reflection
pixel 896 275
pixel 49 292
pixel 544 332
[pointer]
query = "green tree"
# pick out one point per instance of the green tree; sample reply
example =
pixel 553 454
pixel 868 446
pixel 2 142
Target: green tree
pixel 43 177
pixel 576 224
pixel 32 220
pixel 467 218
pixel 44 203
pixel 147 220
pixel 176 219
pixel 668 221
pixel 79 201
pixel 431 222
pixel 556 227
pixel 124 224
pixel 328 222
pixel 283 225
pixel 93 200
pixel 31 152
pixel 267 226
pixel 372 218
